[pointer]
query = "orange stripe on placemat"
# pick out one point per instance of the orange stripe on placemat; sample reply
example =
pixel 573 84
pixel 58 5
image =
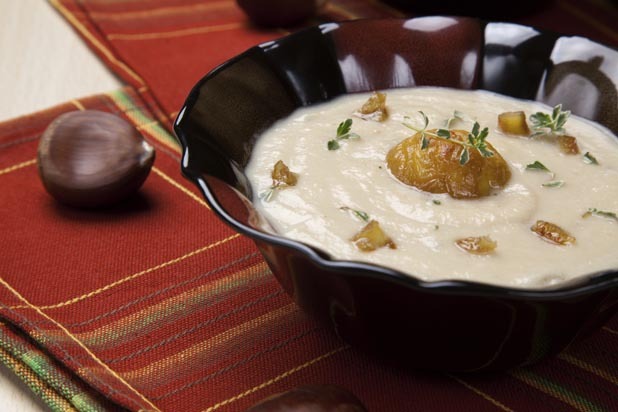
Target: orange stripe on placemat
pixel 134 276
pixel 18 166
pixel 164 11
pixel 146 319
pixel 605 328
pixel 209 346
pixel 588 367
pixel 175 33
pixel 78 104
pixel 582 15
pixel 80 344
pixel 557 391
pixel 276 379
pixel 180 187
pixel 481 394
pixel 331 7
pixel 95 42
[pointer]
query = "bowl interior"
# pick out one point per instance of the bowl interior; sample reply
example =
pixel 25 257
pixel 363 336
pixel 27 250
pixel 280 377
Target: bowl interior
pixel 233 104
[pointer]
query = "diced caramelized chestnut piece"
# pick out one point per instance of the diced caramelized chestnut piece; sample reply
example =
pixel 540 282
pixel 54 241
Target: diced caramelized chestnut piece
pixel 311 398
pixel 568 144
pixel 437 167
pixel 372 237
pixel 552 233
pixel 282 176
pixel 477 245
pixel 513 123
pixel 374 108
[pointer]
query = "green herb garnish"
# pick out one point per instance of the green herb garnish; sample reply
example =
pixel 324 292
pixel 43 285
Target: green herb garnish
pixel 457 115
pixel 476 139
pixel 436 202
pixel 343 133
pixel 358 213
pixel 590 159
pixel 555 183
pixel 268 194
pixel 538 166
pixel 544 123
pixel 596 212
pixel 440 133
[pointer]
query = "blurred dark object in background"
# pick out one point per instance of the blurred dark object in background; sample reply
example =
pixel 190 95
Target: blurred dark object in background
pixel 494 10
pixel 279 13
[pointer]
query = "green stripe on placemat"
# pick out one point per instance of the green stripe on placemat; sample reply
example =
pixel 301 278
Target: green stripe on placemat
pixel 38 386
pixel 142 121
pixel 557 391
pixel 56 387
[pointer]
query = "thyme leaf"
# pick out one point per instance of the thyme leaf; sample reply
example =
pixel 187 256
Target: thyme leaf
pixel 268 194
pixel 464 157
pixel 357 213
pixel 590 159
pixel 457 115
pixel 554 183
pixel 476 138
pixel 343 133
pixel 538 166
pixel 544 123
pixel 600 213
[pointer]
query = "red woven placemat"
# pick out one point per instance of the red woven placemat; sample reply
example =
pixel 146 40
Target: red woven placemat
pixel 163 47
pixel 156 305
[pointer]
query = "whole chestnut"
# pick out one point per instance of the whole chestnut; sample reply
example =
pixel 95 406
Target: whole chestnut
pixel 92 159
pixel 283 13
pixel 311 398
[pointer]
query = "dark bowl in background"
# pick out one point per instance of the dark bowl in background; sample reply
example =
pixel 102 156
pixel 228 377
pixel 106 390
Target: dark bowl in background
pixel 446 325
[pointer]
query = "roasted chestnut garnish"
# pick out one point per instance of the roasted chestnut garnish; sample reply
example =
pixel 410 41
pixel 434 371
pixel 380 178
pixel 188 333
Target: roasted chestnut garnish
pixel 446 165
pixel 311 398
pixel 92 159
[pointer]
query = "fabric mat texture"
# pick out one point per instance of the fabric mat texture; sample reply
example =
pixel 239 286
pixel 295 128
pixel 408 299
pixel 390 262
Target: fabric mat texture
pixel 157 305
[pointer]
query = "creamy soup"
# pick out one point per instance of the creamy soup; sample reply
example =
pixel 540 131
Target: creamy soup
pixel 337 189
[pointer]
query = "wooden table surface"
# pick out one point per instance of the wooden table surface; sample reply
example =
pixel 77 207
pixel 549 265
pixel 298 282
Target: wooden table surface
pixel 42 63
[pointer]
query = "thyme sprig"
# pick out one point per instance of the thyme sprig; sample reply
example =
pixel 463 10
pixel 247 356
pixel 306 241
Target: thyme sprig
pixel 457 115
pixel 554 183
pixel 343 133
pixel 538 166
pixel 476 138
pixel 593 211
pixel 544 123
pixel 357 213
pixel 268 194
pixel 590 159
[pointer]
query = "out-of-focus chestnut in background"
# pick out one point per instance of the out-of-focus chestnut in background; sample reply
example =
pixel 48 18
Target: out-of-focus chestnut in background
pixel 311 398
pixel 280 13
pixel 93 159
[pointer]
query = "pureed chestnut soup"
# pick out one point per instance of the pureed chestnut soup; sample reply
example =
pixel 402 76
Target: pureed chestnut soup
pixel 444 184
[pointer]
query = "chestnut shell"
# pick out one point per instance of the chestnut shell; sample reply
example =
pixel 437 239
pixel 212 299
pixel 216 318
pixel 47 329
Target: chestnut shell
pixel 92 159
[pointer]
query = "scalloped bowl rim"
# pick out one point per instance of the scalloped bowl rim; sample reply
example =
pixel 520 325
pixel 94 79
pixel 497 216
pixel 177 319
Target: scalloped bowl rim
pixel 580 285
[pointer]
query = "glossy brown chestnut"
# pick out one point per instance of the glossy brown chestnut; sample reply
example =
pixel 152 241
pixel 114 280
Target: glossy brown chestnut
pixel 272 13
pixel 311 398
pixel 92 159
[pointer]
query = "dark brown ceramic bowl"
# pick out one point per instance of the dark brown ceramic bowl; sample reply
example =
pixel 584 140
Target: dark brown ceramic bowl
pixel 449 325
